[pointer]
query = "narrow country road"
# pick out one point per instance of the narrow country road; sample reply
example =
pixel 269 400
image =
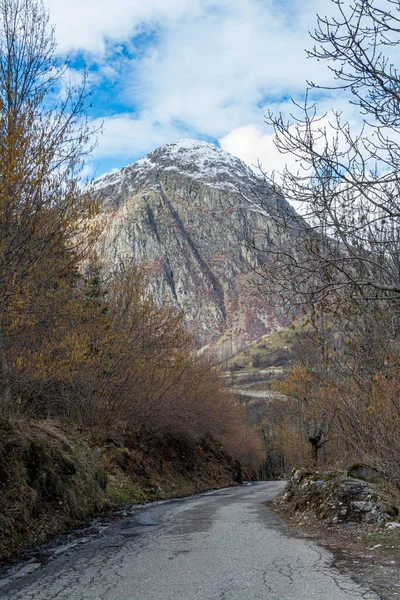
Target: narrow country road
pixel 223 545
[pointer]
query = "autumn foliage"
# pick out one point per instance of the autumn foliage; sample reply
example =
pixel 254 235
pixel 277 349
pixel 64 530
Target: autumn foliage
pixel 72 344
pixel 343 396
pixel 108 357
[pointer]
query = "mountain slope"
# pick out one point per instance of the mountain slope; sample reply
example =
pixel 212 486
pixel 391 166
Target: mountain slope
pixel 181 211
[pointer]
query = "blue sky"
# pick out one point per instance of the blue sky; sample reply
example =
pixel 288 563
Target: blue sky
pixel 206 69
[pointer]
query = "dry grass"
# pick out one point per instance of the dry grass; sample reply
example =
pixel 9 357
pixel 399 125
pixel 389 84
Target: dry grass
pixel 48 481
pixel 165 468
pixel 266 347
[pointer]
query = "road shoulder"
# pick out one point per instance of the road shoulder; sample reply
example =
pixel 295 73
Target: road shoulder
pixel 368 553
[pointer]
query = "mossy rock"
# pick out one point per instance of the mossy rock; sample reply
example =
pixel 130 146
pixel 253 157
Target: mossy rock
pixel 366 473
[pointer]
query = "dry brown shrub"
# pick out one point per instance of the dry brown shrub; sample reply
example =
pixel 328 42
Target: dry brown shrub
pixel 344 394
pixel 117 359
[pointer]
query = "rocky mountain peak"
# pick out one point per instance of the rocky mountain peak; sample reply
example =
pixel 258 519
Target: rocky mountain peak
pixel 180 210
pixel 199 160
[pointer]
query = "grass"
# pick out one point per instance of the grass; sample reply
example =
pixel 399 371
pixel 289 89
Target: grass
pixel 267 348
pixel 385 537
pixel 121 490
pixel 48 480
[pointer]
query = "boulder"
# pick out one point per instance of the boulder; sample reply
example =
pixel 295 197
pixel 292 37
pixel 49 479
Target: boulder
pixel 331 496
pixel 366 473
pixel 392 525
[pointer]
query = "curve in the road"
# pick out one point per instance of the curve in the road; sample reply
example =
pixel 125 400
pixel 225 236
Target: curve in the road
pixel 223 545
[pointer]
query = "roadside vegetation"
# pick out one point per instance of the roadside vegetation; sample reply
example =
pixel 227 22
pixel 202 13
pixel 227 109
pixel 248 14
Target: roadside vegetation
pixel 97 382
pixel 338 260
pixel 342 401
pixel 54 477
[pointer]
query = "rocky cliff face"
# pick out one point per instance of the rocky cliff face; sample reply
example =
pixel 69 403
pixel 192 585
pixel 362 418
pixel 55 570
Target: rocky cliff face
pixel 181 211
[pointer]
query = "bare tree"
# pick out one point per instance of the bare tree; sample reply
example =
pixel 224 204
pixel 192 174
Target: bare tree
pixel 339 256
pixel 347 239
pixel 44 137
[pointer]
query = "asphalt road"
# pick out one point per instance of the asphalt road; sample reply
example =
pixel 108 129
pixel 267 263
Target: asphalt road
pixel 223 545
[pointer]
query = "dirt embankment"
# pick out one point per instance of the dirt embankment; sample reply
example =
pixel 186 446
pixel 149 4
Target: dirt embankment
pixel 53 476
pixel 357 520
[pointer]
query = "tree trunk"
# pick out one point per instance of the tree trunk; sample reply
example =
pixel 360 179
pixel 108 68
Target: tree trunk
pixel 5 401
pixel 314 450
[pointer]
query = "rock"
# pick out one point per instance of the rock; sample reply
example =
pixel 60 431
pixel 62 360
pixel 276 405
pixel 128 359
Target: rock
pixel 361 506
pixel 366 473
pixel 375 517
pixel 335 498
pixel 154 487
pixel 392 525
pixel 297 476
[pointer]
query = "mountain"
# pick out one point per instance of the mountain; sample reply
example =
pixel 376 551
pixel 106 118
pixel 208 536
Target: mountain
pixel 181 210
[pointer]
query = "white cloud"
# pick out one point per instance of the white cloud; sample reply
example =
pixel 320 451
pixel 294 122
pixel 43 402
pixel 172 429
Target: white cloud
pixel 212 70
pixel 88 24
pixel 256 148
pixel 255 144
pixel 125 136
pixel 215 72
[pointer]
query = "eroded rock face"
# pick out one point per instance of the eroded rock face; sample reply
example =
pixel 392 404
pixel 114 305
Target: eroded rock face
pixel 181 210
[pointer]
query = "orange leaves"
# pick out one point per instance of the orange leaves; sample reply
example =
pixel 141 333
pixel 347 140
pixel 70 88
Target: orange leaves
pixel 350 375
pixel 42 144
pixel 105 353
pixel 307 415
pixel 298 383
pixel 68 347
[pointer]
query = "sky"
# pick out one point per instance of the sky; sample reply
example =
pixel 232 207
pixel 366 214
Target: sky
pixel 162 70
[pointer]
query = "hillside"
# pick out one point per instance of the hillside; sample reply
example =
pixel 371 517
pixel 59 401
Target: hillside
pixel 54 476
pixel 270 350
pixel 251 372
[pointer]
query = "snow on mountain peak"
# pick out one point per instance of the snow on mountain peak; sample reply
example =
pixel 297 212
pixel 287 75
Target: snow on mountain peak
pixel 201 158
pixel 194 158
